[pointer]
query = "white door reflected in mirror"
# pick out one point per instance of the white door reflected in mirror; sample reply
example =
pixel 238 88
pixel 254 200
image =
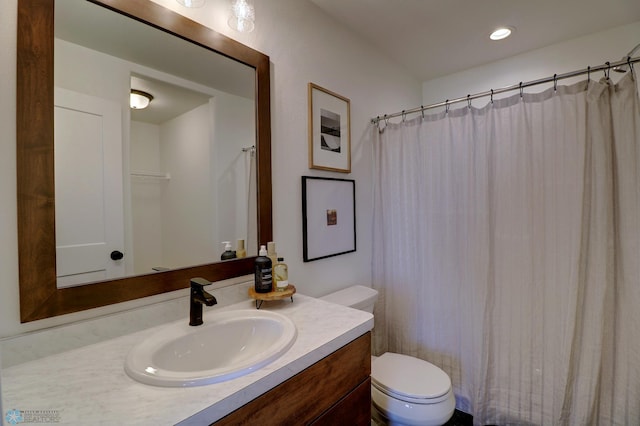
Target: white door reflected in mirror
pixel 89 197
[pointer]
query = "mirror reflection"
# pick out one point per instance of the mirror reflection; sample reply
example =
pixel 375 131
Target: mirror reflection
pixel 153 189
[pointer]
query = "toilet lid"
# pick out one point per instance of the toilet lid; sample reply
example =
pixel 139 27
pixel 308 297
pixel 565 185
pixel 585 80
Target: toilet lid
pixel 410 377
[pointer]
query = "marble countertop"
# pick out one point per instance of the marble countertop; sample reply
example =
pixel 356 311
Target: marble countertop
pixel 88 386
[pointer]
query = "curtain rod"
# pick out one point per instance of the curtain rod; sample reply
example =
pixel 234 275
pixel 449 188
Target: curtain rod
pixel 607 67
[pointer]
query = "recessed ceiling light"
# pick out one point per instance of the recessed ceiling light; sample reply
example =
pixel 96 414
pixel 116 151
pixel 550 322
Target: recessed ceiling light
pixel 501 33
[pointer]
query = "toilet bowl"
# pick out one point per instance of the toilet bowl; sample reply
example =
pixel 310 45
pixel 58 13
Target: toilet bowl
pixel 404 390
pixel 410 391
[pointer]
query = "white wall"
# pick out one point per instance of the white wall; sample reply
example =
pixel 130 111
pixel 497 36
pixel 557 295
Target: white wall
pixel 571 55
pixel 176 223
pixel 185 152
pixel 146 210
pixel 233 128
pixel 305 46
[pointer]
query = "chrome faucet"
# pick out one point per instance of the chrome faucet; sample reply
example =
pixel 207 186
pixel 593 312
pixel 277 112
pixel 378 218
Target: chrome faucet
pixel 198 298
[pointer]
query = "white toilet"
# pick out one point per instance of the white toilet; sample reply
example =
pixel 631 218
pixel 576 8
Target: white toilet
pixel 404 390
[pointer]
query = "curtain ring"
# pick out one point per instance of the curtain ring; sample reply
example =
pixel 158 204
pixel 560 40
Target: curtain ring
pixel 606 70
pixel 446 106
pixel 521 90
pixel 422 110
pixel 630 65
pixel 469 101
pixel 492 96
pixel 404 116
pixel 555 82
pixel 588 74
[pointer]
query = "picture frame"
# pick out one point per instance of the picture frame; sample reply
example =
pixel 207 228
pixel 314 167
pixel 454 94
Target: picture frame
pixel 328 217
pixel 329 130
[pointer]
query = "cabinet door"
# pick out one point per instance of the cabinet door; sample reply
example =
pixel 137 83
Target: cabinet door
pixel 334 382
pixel 354 409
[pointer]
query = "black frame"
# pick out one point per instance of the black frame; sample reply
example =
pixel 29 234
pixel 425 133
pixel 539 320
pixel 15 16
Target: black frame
pixel 309 240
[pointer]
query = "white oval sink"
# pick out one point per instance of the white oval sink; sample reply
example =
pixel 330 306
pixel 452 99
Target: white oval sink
pixel 229 344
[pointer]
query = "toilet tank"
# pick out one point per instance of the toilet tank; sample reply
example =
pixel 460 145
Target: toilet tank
pixel 357 297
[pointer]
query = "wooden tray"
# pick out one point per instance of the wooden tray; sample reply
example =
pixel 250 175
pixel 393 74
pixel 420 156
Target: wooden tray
pixel 272 295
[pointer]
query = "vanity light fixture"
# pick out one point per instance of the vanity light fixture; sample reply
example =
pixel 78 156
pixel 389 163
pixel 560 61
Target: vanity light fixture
pixel 139 99
pixel 191 3
pixel 242 16
pixel 501 33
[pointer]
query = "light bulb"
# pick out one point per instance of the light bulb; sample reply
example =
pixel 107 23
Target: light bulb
pixel 191 3
pixel 242 16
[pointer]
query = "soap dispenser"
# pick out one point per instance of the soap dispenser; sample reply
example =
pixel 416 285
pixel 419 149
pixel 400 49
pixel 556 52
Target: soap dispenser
pixel 228 253
pixel 263 277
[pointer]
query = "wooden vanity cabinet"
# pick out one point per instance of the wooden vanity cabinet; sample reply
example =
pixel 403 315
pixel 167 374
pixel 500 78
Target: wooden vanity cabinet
pixel 334 391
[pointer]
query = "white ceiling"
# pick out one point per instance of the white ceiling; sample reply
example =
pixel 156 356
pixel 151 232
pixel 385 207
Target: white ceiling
pixel 432 38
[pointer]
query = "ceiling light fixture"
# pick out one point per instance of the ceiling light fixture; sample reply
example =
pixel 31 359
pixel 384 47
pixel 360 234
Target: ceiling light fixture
pixel 139 99
pixel 501 33
pixel 242 16
pixel 191 3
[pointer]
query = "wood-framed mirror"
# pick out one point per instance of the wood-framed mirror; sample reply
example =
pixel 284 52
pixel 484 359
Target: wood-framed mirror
pixel 40 296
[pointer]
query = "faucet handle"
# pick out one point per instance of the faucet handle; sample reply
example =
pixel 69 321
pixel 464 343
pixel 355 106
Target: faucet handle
pixel 199 282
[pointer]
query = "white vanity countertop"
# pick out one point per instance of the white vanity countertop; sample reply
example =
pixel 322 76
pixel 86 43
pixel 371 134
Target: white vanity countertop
pixel 88 386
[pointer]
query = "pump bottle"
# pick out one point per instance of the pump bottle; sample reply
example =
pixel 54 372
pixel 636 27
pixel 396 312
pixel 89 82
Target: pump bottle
pixel 228 253
pixel 263 273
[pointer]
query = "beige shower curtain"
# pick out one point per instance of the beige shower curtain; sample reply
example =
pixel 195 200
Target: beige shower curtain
pixel 507 252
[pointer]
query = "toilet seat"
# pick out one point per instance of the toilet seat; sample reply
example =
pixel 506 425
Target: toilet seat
pixel 410 379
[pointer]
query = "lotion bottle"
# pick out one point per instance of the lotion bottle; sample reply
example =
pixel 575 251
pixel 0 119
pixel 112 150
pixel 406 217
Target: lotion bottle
pixel 271 252
pixel 263 273
pixel 280 275
pixel 240 250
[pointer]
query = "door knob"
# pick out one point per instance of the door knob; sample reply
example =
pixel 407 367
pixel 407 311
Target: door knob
pixel 116 255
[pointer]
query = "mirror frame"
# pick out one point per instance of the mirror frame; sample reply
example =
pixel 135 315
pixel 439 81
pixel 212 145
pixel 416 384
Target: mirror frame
pixel 39 296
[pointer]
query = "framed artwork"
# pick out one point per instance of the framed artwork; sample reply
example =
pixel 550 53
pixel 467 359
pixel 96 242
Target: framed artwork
pixel 328 217
pixel 329 130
